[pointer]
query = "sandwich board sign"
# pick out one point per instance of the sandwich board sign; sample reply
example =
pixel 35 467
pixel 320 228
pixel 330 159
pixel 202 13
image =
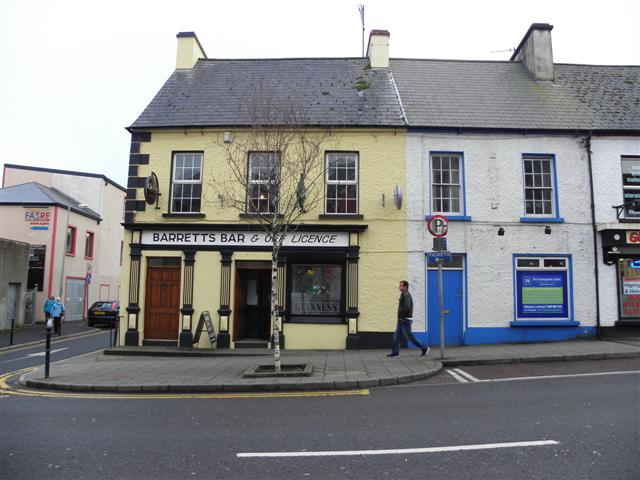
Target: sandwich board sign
pixel 205 320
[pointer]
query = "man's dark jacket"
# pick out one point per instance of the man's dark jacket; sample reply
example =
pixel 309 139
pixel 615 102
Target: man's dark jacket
pixel 405 305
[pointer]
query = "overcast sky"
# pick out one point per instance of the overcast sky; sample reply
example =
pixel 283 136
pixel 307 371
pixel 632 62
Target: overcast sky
pixel 75 73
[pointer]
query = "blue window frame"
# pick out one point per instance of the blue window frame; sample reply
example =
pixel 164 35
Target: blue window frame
pixel 447 194
pixel 540 188
pixel 543 290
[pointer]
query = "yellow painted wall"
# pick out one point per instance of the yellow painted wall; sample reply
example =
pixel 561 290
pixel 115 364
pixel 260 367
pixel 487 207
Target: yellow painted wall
pixel 383 246
pixel 306 336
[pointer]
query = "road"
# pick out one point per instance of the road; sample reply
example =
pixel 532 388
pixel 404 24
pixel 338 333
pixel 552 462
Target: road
pixel 570 425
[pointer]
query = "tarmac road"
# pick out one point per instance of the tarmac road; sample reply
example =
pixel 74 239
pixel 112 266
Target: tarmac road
pixel 571 427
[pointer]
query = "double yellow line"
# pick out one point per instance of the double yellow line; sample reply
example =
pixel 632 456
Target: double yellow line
pixel 6 389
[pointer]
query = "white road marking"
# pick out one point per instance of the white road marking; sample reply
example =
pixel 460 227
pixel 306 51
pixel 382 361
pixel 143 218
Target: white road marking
pixel 460 378
pixel 401 451
pixel 545 377
pixel 466 375
pixel 42 354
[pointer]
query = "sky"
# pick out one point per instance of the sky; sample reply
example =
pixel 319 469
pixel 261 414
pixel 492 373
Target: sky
pixel 75 73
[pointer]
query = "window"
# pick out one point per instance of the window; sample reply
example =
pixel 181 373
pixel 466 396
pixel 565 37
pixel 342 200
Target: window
pixel 629 288
pixel 316 293
pixel 70 242
pixel 446 184
pixel 543 288
pixel 539 184
pixel 341 184
pixel 631 186
pixel 264 179
pixel 88 245
pixel 186 183
pixel 35 274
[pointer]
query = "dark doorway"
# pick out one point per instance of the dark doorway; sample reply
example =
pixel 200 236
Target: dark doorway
pixel 252 301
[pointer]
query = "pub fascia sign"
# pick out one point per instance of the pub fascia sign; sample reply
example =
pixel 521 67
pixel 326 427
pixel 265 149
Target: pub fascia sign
pixel 243 239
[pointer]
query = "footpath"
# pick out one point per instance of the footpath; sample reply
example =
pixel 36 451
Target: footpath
pixel 156 369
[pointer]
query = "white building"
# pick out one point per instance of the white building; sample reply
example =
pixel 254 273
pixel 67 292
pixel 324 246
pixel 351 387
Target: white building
pixel 502 150
pixel 72 220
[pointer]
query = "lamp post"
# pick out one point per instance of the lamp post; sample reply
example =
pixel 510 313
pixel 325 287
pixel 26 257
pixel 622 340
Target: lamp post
pixel 64 250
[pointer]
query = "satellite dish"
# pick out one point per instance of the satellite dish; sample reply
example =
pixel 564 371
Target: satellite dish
pixel 397 197
pixel 151 189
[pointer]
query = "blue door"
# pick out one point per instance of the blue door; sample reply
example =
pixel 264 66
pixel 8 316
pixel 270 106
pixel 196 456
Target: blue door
pixel 452 281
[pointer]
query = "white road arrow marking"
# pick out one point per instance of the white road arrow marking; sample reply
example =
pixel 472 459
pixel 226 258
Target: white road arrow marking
pixel 401 451
pixel 42 354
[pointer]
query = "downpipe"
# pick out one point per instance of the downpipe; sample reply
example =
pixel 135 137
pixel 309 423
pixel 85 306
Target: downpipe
pixel 594 228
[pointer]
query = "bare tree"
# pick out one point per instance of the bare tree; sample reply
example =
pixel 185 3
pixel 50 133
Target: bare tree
pixel 275 176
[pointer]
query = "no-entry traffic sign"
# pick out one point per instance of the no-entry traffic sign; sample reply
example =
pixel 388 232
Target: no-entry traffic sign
pixel 438 226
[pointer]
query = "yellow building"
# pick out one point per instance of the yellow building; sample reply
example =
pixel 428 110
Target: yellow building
pixel 191 250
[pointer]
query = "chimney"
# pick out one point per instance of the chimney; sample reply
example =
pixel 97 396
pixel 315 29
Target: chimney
pixel 189 50
pixel 535 51
pixel 378 49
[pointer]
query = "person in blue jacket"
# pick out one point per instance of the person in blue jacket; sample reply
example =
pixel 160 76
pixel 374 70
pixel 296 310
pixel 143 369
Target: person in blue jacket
pixel 47 308
pixel 57 312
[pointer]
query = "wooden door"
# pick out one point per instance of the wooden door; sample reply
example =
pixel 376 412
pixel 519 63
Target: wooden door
pixel 162 305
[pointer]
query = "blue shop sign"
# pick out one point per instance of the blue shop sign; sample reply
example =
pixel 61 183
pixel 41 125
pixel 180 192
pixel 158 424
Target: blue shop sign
pixel 542 294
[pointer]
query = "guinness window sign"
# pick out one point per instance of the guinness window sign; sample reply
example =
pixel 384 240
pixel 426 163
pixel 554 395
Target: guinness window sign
pixel 151 189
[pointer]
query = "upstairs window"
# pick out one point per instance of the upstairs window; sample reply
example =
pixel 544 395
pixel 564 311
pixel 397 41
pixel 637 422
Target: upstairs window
pixel 447 184
pixel 631 186
pixel 264 180
pixel 70 242
pixel 88 244
pixel 539 182
pixel 341 183
pixel 186 181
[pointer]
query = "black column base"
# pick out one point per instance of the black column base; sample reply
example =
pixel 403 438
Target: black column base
pixel 223 340
pixel 131 338
pixel 353 341
pixel 281 336
pixel 186 340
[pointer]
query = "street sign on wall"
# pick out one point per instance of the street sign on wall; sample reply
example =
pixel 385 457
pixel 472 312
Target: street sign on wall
pixel 432 257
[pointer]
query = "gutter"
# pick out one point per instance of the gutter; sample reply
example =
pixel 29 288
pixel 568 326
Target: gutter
pixel 595 236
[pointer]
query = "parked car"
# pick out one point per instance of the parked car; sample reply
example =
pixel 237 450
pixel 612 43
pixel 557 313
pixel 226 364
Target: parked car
pixel 103 312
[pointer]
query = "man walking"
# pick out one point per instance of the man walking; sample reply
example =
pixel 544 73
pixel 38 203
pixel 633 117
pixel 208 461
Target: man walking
pixel 57 312
pixel 405 319
pixel 47 308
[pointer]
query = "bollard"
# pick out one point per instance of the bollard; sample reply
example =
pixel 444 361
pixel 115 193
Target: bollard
pixel 47 352
pixel 13 326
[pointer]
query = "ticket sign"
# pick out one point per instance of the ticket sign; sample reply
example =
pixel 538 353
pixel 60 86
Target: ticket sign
pixel 542 294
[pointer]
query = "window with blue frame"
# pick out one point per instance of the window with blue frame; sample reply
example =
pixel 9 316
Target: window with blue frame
pixel 543 288
pixel 540 188
pixel 447 184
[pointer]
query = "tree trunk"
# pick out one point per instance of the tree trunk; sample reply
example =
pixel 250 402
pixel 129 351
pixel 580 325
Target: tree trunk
pixel 274 304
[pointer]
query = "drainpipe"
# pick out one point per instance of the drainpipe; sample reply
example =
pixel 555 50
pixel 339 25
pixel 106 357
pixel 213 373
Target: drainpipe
pixel 595 236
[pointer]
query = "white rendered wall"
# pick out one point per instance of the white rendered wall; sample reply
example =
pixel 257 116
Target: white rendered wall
pixel 494 197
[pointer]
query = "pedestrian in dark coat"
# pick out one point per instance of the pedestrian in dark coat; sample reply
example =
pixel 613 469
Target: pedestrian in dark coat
pixel 405 319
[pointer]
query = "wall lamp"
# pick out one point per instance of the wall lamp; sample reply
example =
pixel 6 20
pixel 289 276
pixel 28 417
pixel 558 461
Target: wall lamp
pixel 547 230
pixel 500 232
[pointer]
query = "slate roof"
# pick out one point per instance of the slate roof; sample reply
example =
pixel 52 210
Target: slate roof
pixel 433 93
pixel 34 193
pixel 221 93
pixel 503 95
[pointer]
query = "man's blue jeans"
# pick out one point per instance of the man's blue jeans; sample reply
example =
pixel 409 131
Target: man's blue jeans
pixel 403 327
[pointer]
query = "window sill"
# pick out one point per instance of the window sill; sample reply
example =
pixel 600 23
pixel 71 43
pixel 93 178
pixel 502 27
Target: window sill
pixel 545 323
pixel 183 215
pixel 257 215
pixel 72 254
pixel 88 258
pixel 629 220
pixel 452 218
pixel 541 220
pixel 340 216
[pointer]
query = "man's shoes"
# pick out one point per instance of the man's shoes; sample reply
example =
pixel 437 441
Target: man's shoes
pixel 425 351
pixel 393 354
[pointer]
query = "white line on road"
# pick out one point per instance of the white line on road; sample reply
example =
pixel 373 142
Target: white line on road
pixel 37 354
pixel 400 451
pixel 466 375
pixel 545 377
pixel 460 378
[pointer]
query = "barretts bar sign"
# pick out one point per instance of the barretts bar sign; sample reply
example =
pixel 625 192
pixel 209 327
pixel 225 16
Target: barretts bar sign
pixel 244 239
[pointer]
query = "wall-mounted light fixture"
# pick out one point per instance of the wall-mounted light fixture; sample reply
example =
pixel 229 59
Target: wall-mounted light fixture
pixel 500 232
pixel 547 230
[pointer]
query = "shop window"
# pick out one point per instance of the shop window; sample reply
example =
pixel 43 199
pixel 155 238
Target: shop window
pixel 70 242
pixel 186 189
pixel 341 183
pixel 629 287
pixel 88 244
pixel 543 288
pixel 264 175
pixel 35 274
pixel 631 186
pixel 316 293
pixel 447 184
